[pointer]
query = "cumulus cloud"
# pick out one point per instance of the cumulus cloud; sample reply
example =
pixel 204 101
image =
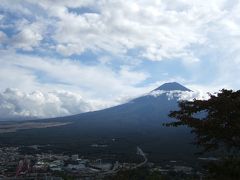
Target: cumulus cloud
pixel 26 39
pixel 29 35
pixel 119 26
pixel 15 103
pixel 158 29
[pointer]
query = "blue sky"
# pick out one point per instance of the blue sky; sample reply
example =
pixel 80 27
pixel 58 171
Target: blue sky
pixel 95 54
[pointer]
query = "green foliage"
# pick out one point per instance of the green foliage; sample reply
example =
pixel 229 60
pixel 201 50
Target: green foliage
pixel 215 122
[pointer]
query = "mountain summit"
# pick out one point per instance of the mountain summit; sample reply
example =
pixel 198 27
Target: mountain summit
pixel 171 86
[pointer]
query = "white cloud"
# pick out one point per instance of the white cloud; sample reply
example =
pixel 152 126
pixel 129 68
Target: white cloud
pixel 15 103
pixel 181 95
pixel 159 29
pixel 69 49
pixel 99 85
pixel 68 71
pixel 120 26
pixel 29 35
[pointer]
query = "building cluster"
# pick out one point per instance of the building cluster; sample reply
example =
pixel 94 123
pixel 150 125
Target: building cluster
pixel 14 164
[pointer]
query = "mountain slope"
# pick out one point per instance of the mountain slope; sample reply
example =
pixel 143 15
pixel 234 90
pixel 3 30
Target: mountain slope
pixel 138 122
pixel 146 111
pixel 171 87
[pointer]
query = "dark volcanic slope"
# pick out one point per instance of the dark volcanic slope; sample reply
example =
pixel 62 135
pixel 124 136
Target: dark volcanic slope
pixel 171 87
pixel 138 122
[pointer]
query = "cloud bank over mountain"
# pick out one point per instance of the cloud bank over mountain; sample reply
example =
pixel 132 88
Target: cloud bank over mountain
pixel 180 95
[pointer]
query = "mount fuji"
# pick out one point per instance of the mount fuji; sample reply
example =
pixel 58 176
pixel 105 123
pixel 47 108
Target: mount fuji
pixel 138 122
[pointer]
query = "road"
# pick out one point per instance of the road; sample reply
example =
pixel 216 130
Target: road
pixel 141 153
